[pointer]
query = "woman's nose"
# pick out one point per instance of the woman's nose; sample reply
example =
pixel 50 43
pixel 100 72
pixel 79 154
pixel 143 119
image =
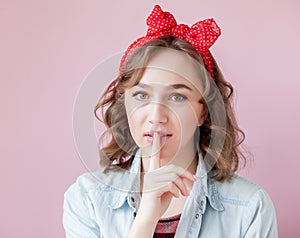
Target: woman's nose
pixel 157 113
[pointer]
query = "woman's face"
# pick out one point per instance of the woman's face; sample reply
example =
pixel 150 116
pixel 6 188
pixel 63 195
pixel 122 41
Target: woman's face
pixel 166 103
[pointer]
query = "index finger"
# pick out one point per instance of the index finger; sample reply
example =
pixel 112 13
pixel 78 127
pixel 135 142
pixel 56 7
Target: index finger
pixel 155 157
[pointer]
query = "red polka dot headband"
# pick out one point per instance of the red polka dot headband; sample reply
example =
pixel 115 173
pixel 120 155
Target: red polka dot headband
pixel 201 35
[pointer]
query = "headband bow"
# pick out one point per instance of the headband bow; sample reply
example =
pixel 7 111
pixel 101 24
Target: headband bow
pixel 201 35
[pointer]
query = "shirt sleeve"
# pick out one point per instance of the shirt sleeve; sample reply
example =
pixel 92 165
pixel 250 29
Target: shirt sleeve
pixel 261 217
pixel 78 214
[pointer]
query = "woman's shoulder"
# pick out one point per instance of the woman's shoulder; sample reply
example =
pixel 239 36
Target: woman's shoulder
pixel 79 215
pixel 85 183
pixel 98 181
pixel 251 205
pixel 239 190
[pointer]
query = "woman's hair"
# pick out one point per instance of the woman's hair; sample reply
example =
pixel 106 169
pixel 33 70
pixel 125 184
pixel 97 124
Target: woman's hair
pixel 117 153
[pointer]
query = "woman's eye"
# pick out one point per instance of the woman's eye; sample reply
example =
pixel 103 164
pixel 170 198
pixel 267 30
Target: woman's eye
pixel 178 97
pixel 140 96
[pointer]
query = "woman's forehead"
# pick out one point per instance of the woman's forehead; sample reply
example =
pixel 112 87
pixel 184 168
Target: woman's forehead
pixel 170 66
pixel 163 77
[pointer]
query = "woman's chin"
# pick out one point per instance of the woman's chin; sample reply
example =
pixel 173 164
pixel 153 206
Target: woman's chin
pixel 165 152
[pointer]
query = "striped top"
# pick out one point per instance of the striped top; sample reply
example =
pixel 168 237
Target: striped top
pixel 166 227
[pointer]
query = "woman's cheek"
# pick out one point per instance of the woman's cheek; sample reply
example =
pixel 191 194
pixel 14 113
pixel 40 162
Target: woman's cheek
pixel 135 121
pixel 187 115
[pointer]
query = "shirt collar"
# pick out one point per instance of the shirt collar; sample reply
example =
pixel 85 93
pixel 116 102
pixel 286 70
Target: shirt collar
pixel 207 185
pixel 132 180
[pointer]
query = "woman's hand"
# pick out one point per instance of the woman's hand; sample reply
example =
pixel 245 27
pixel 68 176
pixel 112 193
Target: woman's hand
pixel 161 184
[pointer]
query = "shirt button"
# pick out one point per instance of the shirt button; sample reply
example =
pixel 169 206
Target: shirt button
pixel 134 214
pixel 132 199
pixel 201 205
pixel 197 215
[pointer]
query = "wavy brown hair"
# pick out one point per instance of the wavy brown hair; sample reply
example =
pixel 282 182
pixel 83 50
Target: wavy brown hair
pixel 219 145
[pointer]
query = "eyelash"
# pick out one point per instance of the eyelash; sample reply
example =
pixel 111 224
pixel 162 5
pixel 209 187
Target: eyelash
pixel 136 94
pixel 183 98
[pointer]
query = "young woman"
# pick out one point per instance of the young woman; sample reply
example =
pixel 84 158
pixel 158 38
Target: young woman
pixel 168 169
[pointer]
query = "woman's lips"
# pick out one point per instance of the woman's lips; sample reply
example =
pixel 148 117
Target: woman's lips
pixel 163 136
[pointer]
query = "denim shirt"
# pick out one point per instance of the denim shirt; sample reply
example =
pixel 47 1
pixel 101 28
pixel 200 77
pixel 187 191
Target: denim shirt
pixel 104 205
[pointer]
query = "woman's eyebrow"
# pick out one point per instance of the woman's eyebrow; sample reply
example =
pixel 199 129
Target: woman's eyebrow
pixel 174 86
pixel 142 85
pixel 177 86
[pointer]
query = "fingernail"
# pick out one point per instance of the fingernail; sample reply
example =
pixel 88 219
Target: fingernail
pixel 195 177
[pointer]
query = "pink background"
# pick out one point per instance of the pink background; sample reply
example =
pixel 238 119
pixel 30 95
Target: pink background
pixel 47 49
